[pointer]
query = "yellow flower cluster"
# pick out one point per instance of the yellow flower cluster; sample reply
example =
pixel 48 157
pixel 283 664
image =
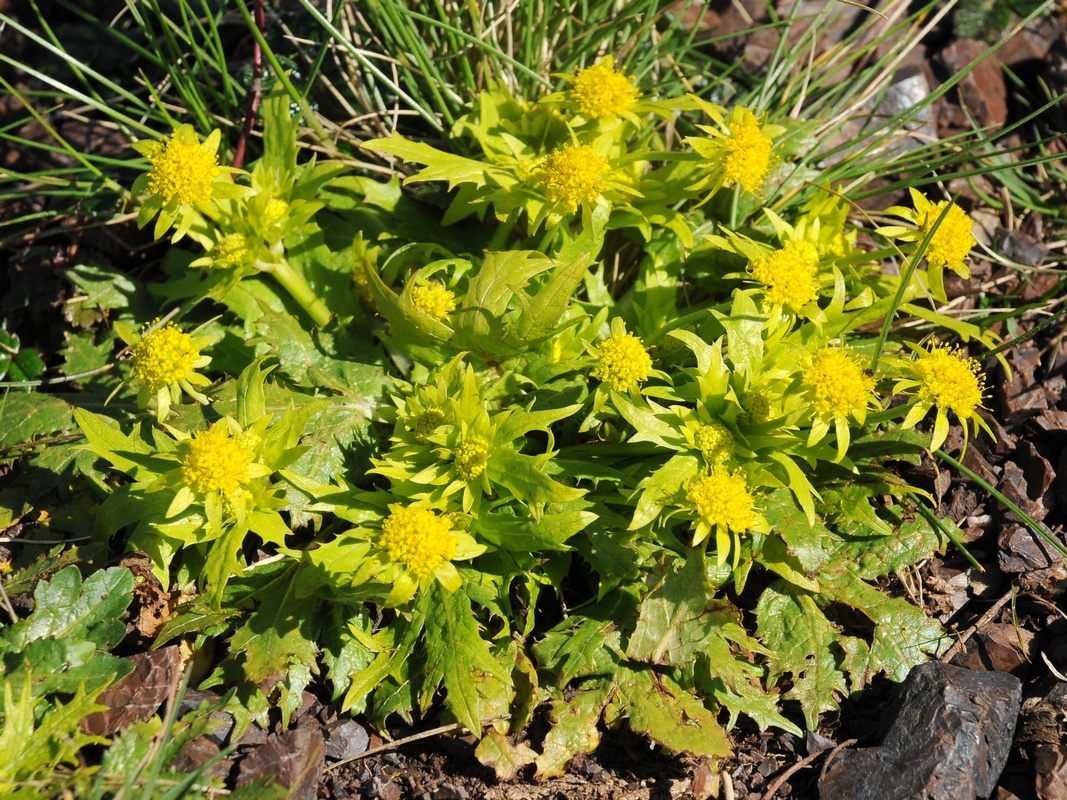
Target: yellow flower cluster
pixel 950 379
pixel 163 357
pixel 276 211
pixel 749 153
pixel 574 175
pixel 433 299
pixel 427 422
pixel 183 170
pixel 839 386
pixel 216 462
pixel 790 274
pixel 715 442
pixel 601 91
pixel 418 539
pixel 471 457
pixel 231 251
pixel 624 362
pixel 757 408
pixel 722 499
pixel 951 243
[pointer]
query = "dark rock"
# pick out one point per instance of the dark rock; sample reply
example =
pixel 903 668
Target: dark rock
pixel 949 740
pixel 1050 768
pixel 221 721
pixel 295 759
pixel 345 739
pixel 1020 550
pixel 999 647
pixel 981 89
pixel 198 752
pixel 1021 248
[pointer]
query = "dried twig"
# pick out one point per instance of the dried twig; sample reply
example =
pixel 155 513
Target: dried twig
pixel 984 620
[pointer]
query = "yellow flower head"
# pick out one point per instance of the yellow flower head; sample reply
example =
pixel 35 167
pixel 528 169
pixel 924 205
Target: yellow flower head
pixel 757 408
pixel 418 539
pixel 624 362
pixel 231 251
pixel 723 499
pixel 216 461
pixel 749 152
pixel 427 422
pixel 471 457
pixel 951 243
pixel 950 379
pixel 574 175
pixel 163 356
pixel 433 299
pixel 276 211
pixel 839 387
pixel 715 442
pixel 601 91
pixel 183 168
pixel 790 275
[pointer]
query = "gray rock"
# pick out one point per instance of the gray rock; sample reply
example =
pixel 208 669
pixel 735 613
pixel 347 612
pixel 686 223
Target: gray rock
pixel 949 741
pixel 345 739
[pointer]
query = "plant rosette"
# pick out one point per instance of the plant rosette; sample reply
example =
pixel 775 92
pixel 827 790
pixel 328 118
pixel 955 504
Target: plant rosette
pixel 204 491
pixel 164 361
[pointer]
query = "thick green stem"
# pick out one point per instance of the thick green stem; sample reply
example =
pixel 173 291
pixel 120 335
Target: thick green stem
pixel 503 231
pixel 298 289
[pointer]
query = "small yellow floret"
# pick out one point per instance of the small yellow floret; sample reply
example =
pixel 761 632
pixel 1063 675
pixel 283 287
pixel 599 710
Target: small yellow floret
pixel 574 175
pixel 838 384
pixel 601 91
pixel 216 462
pixel 715 442
pixel 950 379
pixel 624 362
pixel 952 241
pixel 471 457
pixel 163 357
pixel 722 498
pixel 417 538
pixel 791 274
pixel 231 251
pixel 749 153
pixel 433 299
pixel 182 171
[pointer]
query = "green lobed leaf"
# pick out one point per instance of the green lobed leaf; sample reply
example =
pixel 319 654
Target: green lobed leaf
pixel 283 627
pixel 477 685
pixel 503 754
pixel 527 535
pixel 805 645
pixel 27 416
pixel 67 608
pixel 676 718
pixel 574 728
pixel 677 617
pixel 903 635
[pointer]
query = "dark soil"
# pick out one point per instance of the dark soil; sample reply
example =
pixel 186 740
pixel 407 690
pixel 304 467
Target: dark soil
pixel 1010 616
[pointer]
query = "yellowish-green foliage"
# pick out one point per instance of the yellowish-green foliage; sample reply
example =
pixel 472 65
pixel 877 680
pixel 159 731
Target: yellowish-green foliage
pixel 618 366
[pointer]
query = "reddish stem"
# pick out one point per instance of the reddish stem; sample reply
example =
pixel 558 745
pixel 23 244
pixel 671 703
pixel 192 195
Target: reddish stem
pixel 256 90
